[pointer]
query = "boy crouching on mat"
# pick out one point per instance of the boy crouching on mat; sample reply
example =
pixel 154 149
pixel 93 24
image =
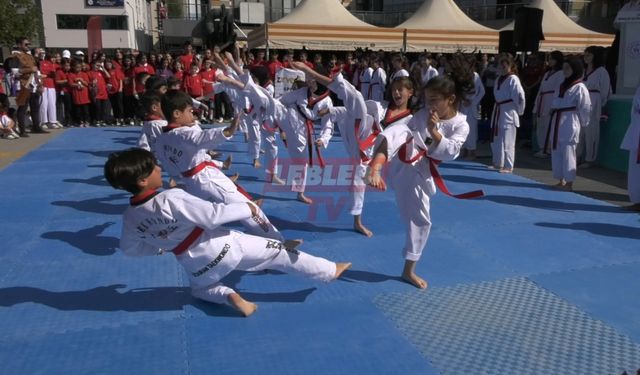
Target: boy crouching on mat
pixel 189 227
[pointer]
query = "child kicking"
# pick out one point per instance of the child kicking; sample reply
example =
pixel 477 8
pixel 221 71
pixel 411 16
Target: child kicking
pixel 175 221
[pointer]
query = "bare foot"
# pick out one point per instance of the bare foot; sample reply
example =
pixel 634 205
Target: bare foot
pixel 276 180
pixel 360 228
pixel 258 202
pixel 172 183
pixel 234 178
pixel 292 244
pixel 505 170
pixel 566 187
pixel 256 163
pixel 227 163
pixel 245 307
pixel 492 167
pixel 302 198
pixel 214 154
pixel 340 268
pixel 414 280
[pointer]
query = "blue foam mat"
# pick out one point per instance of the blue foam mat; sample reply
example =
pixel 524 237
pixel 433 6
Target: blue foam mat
pixel 71 303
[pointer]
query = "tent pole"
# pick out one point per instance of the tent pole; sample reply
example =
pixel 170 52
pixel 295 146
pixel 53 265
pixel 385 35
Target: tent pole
pixel 404 41
pixel 266 34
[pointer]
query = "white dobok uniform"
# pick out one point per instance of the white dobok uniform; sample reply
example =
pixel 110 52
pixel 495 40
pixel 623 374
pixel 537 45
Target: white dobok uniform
pixel 599 85
pixel 151 130
pixel 631 142
pixel 300 132
pixel 182 153
pixel 471 111
pixel 410 174
pixel 175 221
pixel 542 107
pixel 398 73
pixel 570 113
pixel 377 85
pixel 510 103
pixel 365 80
pixel 427 74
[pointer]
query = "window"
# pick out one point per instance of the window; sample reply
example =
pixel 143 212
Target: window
pixel 79 22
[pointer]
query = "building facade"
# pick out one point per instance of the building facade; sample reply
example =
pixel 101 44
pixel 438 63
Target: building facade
pixel 125 24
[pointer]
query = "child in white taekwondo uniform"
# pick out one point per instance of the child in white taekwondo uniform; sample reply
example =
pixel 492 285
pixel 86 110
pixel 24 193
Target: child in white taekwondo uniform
pixel 469 108
pixel 510 103
pixel 182 152
pixel 597 80
pixel 397 112
pixel 365 77
pixel 153 122
pixel 357 131
pixel 306 103
pixel 436 132
pixel 542 107
pixel 569 115
pixel 174 221
pixel 631 142
pixel 378 81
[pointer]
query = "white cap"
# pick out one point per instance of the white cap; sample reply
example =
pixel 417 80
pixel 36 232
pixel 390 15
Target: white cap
pixel 66 54
pixel 79 53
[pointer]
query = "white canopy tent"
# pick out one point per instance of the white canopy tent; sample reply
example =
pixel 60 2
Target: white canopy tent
pixel 440 26
pixel 324 25
pixel 561 33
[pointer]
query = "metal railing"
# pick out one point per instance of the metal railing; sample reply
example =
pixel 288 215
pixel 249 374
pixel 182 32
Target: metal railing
pixel 186 9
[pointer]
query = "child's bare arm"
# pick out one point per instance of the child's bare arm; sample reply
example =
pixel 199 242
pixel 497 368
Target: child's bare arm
pixel 231 129
pixel 324 80
pixel 233 64
pixel 232 82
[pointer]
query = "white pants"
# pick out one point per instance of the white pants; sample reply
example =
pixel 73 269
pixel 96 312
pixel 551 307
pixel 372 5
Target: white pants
pixel 258 225
pixel 259 254
pixel 503 148
pixel 590 138
pixel 633 177
pixel 270 153
pixel 253 135
pixel 417 226
pixel 542 128
pixel 563 162
pixel 472 120
pixel 48 106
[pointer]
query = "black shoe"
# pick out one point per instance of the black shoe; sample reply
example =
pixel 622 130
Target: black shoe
pixel 24 134
pixel 40 131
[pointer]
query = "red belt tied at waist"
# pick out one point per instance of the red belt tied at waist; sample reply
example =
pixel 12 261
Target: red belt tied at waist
pixel 496 117
pixel 198 168
pixel 558 113
pixel 367 142
pixel 542 94
pixel 433 168
pixel 310 143
pixel 188 241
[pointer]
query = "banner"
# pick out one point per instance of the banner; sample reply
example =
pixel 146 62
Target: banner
pixel 284 80
pixel 104 3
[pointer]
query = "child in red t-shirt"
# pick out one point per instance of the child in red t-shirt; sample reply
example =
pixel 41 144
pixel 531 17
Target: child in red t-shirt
pixel 208 76
pixel 98 76
pixel 115 88
pixel 79 84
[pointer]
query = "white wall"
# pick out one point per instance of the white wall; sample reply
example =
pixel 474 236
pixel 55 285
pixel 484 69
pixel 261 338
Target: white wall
pixel 136 37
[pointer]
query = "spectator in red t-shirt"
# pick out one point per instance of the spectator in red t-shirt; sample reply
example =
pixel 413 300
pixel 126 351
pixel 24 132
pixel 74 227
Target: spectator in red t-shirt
pixel 192 83
pixel 128 92
pixel 274 64
pixel 208 75
pixel 178 70
pixel 303 59
pixel 187 57
pixel 98 77
pixel 115 87
pixel 143 66
pixel 64 93
pixel 48 115
pixel 79 85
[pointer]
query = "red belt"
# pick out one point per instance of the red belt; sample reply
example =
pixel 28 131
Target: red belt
pixel 368 142
pixel 248 110
pixel 557 113
pixel 437 177
pixel 496 117
pixel 542 94
pixel 198 168
pixel 188 241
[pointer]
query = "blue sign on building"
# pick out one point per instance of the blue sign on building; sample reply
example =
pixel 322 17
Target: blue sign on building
pixel 104 3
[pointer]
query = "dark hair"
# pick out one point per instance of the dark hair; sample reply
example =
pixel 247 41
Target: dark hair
pixel 457 81
pixel 172 81
pixel 322 70
pixel 509 59
pixel 146 101
pixel 175 100
pixel 559 58
pixel 4 102
pixel 261 73
pixel 577 68
pixel 21 39
pixel 154 83
pixel 124 169
pixel 598 55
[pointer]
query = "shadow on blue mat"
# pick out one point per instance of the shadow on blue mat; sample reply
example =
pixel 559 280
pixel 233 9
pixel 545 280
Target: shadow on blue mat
pixel 284 224
pixel 493 182
pixel 369 277
pixel 102 154
pixel 109 298
pixel 552 205
pixel 468 167
pixel 88 240
pixel 601 229
pixel 127 141
pixel 131 131
pixel 95 181
pixel 96 205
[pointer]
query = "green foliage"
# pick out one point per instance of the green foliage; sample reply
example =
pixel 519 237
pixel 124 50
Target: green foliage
pixel 175 8
pixel 18 18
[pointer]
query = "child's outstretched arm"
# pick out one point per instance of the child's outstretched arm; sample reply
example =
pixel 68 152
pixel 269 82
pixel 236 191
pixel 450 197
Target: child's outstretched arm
pixel 323 80
pixel 231 129
pixel 233 64
pixel 373 176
